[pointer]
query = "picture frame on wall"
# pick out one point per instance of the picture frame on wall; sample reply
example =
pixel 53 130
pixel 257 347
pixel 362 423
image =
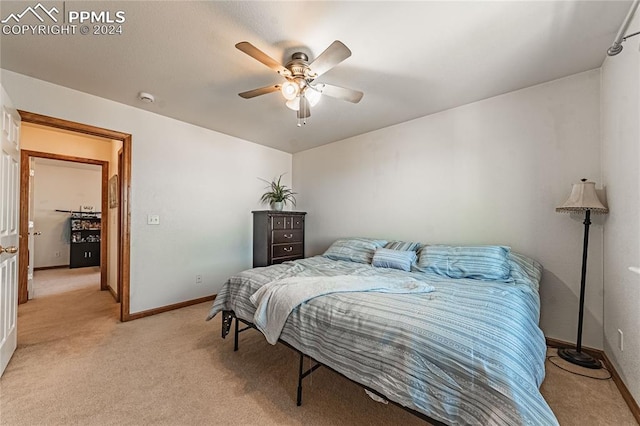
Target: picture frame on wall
pixel 113 192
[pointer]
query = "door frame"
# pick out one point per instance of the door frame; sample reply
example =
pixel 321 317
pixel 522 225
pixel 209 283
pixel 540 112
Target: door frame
pixel 124 233
pixel 25 155
pixel 119 213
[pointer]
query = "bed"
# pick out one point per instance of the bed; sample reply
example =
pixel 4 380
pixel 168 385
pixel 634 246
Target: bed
pixel 467 350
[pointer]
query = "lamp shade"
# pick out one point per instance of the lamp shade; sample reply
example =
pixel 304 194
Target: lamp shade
pixel 583 197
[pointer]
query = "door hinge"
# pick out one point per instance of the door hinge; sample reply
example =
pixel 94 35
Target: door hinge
pixel 32 172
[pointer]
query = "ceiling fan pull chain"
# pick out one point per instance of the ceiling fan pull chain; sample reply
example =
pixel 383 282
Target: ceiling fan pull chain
pixel 303 105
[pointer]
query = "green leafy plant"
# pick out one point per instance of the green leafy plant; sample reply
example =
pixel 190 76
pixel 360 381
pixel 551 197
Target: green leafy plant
pixel 277 193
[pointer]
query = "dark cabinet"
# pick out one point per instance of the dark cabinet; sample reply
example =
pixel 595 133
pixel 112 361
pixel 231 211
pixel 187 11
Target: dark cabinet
pixel 85 242
pixel 277 237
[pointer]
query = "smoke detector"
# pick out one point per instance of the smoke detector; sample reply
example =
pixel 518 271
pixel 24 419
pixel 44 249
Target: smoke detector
pixel 146 97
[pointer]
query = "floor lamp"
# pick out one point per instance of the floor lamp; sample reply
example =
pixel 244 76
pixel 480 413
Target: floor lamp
pixel 583 198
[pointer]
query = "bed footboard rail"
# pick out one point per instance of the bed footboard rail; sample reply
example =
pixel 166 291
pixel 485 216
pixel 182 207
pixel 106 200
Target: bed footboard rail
pixel 227 319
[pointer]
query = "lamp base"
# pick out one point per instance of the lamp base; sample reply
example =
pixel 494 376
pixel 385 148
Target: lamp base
pixel 579 358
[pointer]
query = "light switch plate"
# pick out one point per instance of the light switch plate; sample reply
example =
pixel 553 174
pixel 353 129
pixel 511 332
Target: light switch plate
pixel 153 219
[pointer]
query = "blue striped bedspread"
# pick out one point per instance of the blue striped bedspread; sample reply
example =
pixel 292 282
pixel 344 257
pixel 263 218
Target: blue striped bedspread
pixel 470 352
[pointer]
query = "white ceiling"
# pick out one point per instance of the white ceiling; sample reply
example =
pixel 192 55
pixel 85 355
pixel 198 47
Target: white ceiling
pixel 410 59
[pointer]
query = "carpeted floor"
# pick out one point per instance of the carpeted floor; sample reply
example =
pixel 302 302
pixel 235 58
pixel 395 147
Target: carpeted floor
pixel 76 364
pixel 47 282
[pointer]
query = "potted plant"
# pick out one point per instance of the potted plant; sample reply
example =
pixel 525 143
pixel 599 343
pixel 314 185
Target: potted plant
pixel 277 195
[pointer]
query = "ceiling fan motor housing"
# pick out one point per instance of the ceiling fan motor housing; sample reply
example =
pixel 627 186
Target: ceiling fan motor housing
pixel 299 66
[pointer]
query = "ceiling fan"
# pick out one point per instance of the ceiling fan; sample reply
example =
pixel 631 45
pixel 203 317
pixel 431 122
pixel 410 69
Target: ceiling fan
pixel 300 88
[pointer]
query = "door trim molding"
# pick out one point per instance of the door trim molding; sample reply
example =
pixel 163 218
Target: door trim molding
pixel 125 205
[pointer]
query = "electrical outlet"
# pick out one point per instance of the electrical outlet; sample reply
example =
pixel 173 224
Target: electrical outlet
pixel 57 254
pixel 620 340
pixel 153 219
pixel 198 279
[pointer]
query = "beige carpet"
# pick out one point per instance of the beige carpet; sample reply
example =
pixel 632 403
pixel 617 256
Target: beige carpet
pixel 76 364
pixel 47 282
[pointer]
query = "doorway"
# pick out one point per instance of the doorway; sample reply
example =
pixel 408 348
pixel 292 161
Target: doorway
pixel 121 262
pixel 67 238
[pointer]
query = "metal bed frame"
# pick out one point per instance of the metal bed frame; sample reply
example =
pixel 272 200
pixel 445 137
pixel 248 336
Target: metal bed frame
pixel 227 319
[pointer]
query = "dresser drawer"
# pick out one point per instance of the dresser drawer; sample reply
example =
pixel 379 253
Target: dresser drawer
pixel 297 222
pixel 286 259
pixel 283 250
pixel 287 222
pixel 280 222
pixel 287 236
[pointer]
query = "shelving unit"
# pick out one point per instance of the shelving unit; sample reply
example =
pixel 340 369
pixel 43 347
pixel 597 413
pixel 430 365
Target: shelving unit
pixel 85 239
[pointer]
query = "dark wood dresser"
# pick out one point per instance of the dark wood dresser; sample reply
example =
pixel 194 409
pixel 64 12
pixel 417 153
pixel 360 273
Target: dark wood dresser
pixel 278 236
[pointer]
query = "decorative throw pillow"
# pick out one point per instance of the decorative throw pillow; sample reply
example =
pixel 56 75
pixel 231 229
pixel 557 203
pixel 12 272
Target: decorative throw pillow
pixel 396 259
pixel 403 245
pixel 479 262
pixel 358 250
pixel 525 269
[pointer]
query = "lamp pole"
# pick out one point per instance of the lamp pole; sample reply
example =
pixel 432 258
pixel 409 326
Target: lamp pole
pixel 577 356
pixel 583 278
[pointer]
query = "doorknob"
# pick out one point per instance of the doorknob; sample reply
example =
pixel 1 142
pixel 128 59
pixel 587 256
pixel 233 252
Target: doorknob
pixel 36 233
pixel 10 249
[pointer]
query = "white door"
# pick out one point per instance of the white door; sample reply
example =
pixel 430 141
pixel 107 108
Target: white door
pixel 32 232
pixel 9 228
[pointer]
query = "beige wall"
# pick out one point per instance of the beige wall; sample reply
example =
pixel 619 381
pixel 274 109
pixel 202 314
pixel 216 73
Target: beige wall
pixel 620 167
pixel 112 272
pixel 55 141
pixel 491 172
pixel 203 184
pixel 60 185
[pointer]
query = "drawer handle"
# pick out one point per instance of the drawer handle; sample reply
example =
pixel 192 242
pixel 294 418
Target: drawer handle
pixel 288 235
pixel 288 249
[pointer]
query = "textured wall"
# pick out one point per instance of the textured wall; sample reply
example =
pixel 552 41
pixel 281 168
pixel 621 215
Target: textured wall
pixel 620 165
pixel 202 183
pixel 490 172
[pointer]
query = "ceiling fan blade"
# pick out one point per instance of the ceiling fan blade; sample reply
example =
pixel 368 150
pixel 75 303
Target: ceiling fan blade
pixel 340 92
pixel 304 111
pixel 260 56
pixel 261 91
pixel 332 56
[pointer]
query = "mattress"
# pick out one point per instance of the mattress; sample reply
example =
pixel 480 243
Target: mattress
pixel 470 352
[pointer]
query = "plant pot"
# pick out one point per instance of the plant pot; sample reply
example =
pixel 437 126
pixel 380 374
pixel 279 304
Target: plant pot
pixel 277 206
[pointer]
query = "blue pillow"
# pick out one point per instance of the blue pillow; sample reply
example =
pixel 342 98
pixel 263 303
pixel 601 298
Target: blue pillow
pixel 402 245
pixel 358 250
pixel 480 262
pixel 396 259
pixel 525 270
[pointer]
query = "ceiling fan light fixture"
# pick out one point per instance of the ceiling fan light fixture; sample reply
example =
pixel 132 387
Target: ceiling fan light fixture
pixel 300 89
pixel 294 103
pixel 312 95
pixel 289 90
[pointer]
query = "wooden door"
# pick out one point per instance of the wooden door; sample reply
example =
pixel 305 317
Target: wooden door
pixel 9 228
